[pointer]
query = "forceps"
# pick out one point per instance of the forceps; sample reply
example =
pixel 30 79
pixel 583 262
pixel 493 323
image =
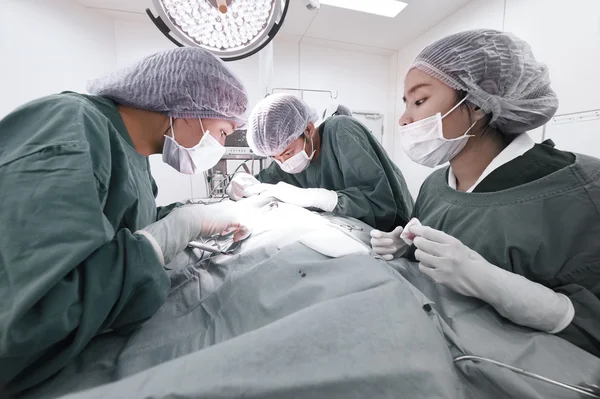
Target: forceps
pixel 219 244
pixel 347 226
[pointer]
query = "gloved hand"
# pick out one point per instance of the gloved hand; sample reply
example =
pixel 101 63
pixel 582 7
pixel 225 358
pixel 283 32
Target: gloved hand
pixel 319 198
pixel 388 245
pixel 241 186
pixel 448 261
pixel 171 235
pixel 393 245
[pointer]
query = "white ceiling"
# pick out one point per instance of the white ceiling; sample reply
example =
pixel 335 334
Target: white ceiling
pixel 330 24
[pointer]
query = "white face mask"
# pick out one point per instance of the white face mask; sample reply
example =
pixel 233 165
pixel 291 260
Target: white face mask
pixel 424 142
pixel 298 162
pixel 197 159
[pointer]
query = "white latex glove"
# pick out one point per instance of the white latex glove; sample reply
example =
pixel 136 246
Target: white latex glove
pixel 241 186
pixel 407 235
pixel 388 245
pixel 258 189
pixel 393 245
pixel 448 261
pixel 171 235
pixel 319 198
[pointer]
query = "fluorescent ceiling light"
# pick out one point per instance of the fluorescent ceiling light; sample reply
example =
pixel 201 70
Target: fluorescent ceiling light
pixel 387 8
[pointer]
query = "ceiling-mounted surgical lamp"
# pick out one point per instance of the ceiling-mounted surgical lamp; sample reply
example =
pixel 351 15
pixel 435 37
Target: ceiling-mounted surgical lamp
pixel 230 29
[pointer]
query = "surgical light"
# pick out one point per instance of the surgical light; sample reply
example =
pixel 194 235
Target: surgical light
pixel 230 29
pixel 386 8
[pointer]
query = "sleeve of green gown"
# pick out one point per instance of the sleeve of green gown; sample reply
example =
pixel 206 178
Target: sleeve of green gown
pixel 65 274
pixel 584 330
pixel 368 195
pixel 163 211
pixel 272 175
pixel 582 284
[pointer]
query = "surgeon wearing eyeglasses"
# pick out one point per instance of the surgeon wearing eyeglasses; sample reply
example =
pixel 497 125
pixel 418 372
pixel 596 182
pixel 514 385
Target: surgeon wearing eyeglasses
pixel 509 221
pixel 337 166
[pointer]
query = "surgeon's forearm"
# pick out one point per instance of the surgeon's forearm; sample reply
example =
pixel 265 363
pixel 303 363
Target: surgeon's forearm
pixel 527 303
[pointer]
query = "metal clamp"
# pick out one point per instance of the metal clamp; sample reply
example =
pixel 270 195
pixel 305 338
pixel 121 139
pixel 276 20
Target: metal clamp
pixel 590 391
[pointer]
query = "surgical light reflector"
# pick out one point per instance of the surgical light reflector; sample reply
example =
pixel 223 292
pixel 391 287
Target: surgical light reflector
pixel 231 29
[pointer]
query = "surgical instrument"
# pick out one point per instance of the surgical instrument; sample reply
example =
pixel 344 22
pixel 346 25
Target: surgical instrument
pixel 586 391
pixel 206 247
pixel 350 227
pixel 346 226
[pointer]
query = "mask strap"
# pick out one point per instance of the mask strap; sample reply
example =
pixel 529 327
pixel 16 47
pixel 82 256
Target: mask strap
pixel 202 127
pixel 312 145
pixel 456 106
pixel 172 131
pixel 468 130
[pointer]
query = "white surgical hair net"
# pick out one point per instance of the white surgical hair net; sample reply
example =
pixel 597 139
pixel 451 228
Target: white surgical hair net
pixel 499 73
pixel 183 82
pixel 276 122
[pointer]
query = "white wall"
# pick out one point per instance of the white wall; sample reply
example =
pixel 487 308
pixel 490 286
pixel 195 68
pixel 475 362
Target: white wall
pixel 566 36
pixel 393 103
pixel 49 47
pixel 361 79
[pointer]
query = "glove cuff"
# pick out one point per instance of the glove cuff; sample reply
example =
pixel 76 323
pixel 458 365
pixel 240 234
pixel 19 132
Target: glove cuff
pixel 568 317
pixel 325 200
pixel 526 302
pixel 155 245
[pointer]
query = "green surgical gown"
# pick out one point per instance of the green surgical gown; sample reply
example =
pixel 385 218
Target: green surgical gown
pixel 534 219
pixel 73 190
pixel 370 187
